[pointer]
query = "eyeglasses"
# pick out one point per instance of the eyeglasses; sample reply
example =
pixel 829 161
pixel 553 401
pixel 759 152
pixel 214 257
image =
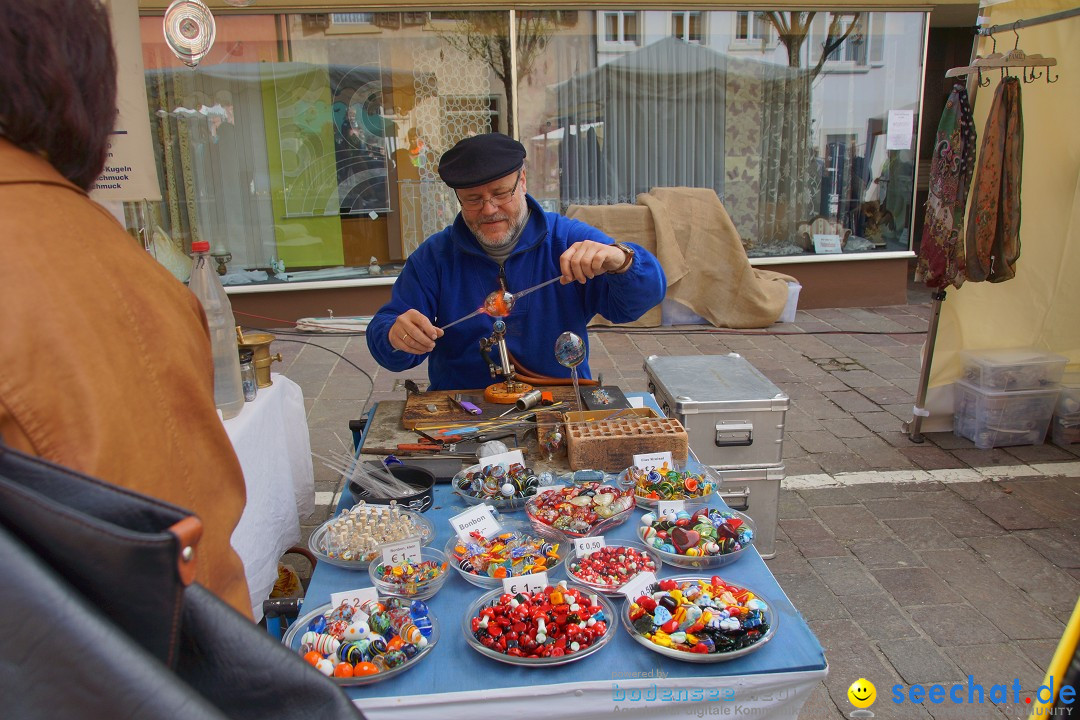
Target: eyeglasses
pixel 498 199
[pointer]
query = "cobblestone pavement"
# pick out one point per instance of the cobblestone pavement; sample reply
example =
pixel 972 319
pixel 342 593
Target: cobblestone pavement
pixel 913 563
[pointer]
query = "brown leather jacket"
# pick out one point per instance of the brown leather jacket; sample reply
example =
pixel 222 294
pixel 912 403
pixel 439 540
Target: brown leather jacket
pixel 105 362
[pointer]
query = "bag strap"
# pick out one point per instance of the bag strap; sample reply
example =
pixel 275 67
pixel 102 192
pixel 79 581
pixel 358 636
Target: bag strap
pixel 187 532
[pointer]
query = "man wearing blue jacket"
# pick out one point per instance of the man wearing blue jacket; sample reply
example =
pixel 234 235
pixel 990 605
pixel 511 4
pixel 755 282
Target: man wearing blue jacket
pixel 502 238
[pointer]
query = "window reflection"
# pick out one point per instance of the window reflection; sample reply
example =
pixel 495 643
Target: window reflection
pixel 311 141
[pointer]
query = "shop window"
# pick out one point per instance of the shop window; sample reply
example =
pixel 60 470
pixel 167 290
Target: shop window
pixel 292 145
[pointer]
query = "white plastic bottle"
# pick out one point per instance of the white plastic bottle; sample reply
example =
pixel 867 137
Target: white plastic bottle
pixel 204 282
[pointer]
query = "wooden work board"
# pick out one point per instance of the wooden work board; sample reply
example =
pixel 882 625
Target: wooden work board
pixel 384 433
pixel 445 412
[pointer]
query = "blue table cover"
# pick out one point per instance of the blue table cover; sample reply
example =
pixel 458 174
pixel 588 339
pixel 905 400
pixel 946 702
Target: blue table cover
pixel 453 666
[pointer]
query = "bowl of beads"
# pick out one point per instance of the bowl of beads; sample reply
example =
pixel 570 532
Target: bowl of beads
pixel 664 483
pixel 418 580
pixel 707 538
pixel 360 646
pixel 582 509
pixel 700 619
pixel 516 549
pixel 503 486
pixel 560 624
pixel 609 568
pixel 356 536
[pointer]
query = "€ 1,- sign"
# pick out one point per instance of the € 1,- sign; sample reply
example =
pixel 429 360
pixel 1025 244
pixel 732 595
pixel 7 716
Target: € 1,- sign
pixel 531 584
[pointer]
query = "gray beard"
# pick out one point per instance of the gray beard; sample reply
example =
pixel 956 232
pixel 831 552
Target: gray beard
pixel 509 238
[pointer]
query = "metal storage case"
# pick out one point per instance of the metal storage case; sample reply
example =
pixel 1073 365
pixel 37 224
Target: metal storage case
pixel 734 418
pixel 733 415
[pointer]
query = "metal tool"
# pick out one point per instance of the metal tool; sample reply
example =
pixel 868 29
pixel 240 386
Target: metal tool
pixel 526 402
pixel 510 303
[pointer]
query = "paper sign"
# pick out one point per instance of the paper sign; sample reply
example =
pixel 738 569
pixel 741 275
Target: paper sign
pixel 401 552
pixel 525 583
pixel 827 244
pixel 478 518
pixel 506 458
pixel 129 173
pixel 669 508
pixel 636 402
pixel 586 545
pixel 653 461
pixel 643 583
pixel 900 133
pixel 354 598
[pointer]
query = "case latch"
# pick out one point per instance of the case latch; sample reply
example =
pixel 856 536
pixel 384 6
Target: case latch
pixel 734 434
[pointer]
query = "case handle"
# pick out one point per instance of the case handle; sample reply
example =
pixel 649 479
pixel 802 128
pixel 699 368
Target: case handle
pixel 734 434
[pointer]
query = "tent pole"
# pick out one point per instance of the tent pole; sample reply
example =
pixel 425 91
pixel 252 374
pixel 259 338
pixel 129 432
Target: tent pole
pixel 914 426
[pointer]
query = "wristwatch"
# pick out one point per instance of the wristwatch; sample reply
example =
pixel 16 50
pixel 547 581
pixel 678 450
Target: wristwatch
pixel 629 258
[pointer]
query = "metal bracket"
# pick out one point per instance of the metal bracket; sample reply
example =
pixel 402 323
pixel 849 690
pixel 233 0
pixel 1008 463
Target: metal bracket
pixel 743 496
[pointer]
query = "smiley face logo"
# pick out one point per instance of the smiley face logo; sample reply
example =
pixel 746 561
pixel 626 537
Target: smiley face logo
pixel 862 693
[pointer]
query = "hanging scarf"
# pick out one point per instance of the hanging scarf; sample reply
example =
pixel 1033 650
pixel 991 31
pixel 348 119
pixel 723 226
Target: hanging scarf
pixel 941 251
pixel 993 234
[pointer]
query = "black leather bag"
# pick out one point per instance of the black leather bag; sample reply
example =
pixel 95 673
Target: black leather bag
pixel 100 617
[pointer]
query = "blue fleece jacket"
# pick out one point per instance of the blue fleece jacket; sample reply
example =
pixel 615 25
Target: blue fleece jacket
pixel 450 275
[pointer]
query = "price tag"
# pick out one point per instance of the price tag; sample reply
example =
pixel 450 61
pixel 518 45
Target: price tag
pixel 653 461
pixel 505 459
pixel 588 544
pixel 669 508
pixel 401 552
pixel 354 598
pixel 478 518
pixel 525 583
pixel 641 584
pixel 827 244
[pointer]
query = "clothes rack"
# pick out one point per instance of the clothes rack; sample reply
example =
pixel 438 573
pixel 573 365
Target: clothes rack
pixel 1015 58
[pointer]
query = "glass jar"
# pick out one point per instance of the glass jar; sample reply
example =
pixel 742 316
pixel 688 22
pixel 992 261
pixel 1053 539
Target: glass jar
pixel 247 374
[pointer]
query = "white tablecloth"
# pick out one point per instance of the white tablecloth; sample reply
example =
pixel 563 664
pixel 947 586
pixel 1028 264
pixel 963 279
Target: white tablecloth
pixel 270 436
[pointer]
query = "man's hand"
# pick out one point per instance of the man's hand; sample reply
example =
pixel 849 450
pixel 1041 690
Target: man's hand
pixel 413 333
pixel 587 259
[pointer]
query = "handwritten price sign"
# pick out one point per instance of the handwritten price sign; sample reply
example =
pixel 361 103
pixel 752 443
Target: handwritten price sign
pixel 586 545
pixel 641 584
pixel 653 461
pixel 354 598
pixel 402 552
pixel 669 508
pixel 525 583
pixel 478 518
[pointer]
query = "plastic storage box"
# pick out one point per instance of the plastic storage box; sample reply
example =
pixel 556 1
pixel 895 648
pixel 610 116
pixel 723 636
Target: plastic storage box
pixel 734 416
pixel 1013 369
pixel 992 418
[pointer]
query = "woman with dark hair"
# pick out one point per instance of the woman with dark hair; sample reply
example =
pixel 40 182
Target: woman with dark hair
pixel 105 362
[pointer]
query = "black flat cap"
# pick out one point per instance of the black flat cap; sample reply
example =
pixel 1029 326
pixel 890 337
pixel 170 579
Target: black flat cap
pixel 480 159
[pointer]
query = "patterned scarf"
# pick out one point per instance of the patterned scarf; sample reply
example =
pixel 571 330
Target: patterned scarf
pixel 941 252
pixel 993 234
